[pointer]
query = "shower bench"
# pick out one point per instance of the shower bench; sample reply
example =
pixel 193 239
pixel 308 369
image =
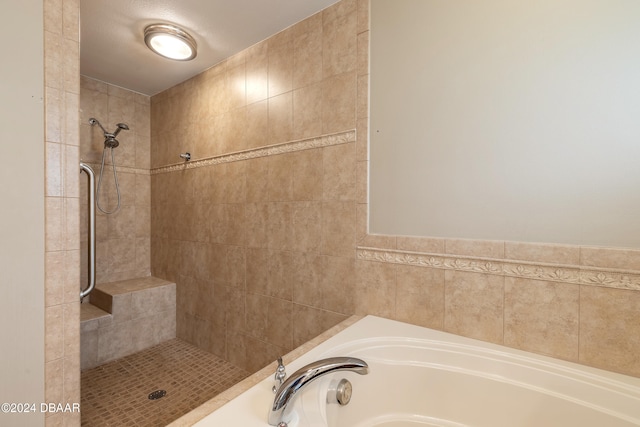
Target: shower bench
pixel 125 317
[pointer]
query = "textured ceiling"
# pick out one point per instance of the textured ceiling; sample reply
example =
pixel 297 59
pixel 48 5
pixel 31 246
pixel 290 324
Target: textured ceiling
pixel 113 49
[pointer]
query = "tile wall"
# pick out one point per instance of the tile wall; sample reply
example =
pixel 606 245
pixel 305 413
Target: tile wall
pixel 123 238
pixel 265 231
pixel 62 241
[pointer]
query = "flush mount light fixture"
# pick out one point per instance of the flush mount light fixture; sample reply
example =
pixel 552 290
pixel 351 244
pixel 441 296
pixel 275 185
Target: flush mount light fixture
pixel 170 41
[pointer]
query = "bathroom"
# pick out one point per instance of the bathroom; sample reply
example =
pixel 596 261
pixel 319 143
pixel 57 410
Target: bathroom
pixel 302 256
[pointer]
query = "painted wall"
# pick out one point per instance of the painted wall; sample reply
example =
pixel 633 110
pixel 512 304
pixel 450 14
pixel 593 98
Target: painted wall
pixel 265 231
pixel 22 214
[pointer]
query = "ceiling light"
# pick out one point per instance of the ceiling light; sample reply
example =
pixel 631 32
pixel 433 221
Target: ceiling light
pixel 170 41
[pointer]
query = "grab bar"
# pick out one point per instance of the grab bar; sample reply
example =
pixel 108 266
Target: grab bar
pixel 92 229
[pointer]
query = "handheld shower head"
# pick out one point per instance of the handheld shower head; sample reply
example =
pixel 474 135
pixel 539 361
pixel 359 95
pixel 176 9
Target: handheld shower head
pixel 120 126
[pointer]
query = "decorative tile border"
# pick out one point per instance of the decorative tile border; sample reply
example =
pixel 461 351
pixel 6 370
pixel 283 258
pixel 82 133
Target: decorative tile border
pixel 120 169
pixel 611 278
pixel 270 150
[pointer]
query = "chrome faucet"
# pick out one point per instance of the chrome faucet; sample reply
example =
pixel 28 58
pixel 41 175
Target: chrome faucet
pixel 280 412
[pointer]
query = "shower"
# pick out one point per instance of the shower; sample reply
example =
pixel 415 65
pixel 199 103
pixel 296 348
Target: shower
pixel 110 142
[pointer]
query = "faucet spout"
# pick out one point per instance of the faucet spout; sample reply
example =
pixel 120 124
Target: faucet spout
pixel 286 393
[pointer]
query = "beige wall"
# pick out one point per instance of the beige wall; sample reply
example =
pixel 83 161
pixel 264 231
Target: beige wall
pixel 62 240
pixel 269 245
pixel 123 243
pixel 263 249
pixel 22 213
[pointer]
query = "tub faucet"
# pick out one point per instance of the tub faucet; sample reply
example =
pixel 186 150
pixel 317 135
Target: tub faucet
pixel 283 402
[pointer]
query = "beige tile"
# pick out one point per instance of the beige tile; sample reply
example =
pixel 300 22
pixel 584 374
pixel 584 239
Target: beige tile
pixel 281 118
pixel 420 296
pixel 237 86
pixel 54 381
pixel 362 182
pixel 363 52
pixel 54 224
pixel 71 19
pixel 362 97
pixel 260 353
pixel 363 15
pixel 257 314
pixel 307 170
pixel 53 16
pixel 280 64
pixel 537 252
pixel 307 111
pixel 307 55
pixel 339 180
pixel 72 276
pixel 309 272
pixel 362 139
pixel 627 259
pixel 257 223
pixel 338 281
pixel 339 38
pixel 306 225
pixel 71 319
pixel 54 170
pixel 53 60
pixel 339 228
pixel 71 172
pixel 479 248
pixel 280 177
pixel 280 323
pixel 542 317
pixel 55 274
pixel 362 223
pixel 474 305
pixel 339 103
pixel 53 119
pixel 609 329
pixel 280 275
pixel 279 230
pixel 421 244
pixel 54 333
pixel 375 289
pixel 71 66
pixel 310 322
pixel 257 69
pixel 257 179
pixel 257 124
pixel 378 240
pixel 175 366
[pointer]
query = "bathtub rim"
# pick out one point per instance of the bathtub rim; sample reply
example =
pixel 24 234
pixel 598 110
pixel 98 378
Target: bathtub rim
pixel 290 359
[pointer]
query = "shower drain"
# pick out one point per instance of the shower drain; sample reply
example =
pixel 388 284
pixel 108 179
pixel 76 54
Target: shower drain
pixel 157 394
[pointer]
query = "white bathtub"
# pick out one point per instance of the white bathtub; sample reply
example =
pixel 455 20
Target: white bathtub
pixel 422 377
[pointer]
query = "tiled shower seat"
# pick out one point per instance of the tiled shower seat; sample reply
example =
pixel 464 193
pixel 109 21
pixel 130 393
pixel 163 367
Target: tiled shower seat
pixel 126 317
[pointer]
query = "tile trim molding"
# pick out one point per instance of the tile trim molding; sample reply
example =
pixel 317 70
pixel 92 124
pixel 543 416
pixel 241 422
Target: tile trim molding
pixel 270 150
pixel 580 275
pixel 120 169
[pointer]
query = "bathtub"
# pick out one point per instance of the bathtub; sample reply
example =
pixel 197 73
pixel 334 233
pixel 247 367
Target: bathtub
pixel 421 377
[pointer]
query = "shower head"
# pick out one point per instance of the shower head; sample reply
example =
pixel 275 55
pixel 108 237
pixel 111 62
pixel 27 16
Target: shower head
pixel 120 126
pixel 94 122
pixel 110 140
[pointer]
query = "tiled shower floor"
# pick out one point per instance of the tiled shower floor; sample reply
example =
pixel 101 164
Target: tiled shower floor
pixel 116 393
